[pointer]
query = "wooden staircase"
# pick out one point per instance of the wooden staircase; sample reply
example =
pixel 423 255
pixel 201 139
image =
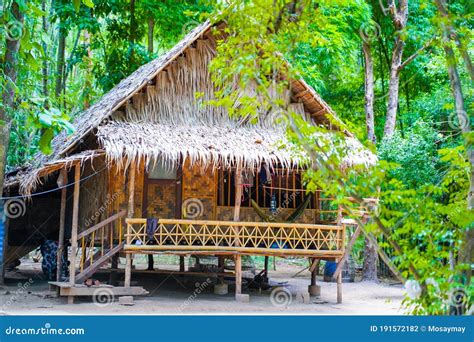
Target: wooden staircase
pixel 98 244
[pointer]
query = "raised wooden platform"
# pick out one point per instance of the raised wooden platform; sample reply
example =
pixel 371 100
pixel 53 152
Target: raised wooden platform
pixel 229 237
pixel 65 289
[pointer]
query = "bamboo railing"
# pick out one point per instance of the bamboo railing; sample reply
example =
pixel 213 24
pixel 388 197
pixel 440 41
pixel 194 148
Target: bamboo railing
pixel 244 237
pixel 99 242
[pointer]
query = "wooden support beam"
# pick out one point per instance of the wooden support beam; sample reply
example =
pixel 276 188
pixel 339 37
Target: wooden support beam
pixel 339 288
pixel 62 182
pixel 238 193
pixel 75 221
pixel 238 200
pixel 347 252
pixel 238 274
pixel 131 204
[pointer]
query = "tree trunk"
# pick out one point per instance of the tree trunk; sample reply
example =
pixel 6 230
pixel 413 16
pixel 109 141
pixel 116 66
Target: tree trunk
pixel 399 18
pixel 132 32
pixel 467 245
pixel 45 49
pixel 10 64
pixel 60 62
pixel 393 88
pixel 369 271
pixel 151 27
pixel 369 91
pixel 443 11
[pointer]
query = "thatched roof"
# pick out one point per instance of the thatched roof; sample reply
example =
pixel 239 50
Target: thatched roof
pixel 29 179
pixel 220 145
pixel 161 95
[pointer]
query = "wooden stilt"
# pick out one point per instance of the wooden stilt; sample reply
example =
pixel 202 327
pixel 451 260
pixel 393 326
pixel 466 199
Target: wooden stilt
pixel 113 270
pixel 75 220
pixel 151 262
pixel 62 181
pixel 314 271
pixel 238 274
pixel 266 268
pixel 181 264
pixel 131 207
pixel 128 270
pixel 70 299
pixel 339 288
pixel 221 263
pixel 314 289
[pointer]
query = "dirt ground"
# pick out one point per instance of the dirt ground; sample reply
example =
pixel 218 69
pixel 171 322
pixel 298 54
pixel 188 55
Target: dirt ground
pixel 27 292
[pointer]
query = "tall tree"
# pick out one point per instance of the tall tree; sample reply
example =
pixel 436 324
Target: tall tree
pixel 448 30
pixel 369 90
pixel 61 52
pixel 151 27
pixel 369 270
pixel 399 16
pixel 10 64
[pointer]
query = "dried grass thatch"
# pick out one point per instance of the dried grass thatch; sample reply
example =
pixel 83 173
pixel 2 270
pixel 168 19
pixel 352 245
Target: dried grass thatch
pixel 29 179
pixel 216 146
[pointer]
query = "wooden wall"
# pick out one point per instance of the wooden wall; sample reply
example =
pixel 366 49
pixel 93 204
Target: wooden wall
pixel 197 185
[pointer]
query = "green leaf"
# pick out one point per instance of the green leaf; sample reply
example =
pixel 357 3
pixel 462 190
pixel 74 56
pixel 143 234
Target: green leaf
pixel 76 4
pixel 45 141
pixel 45 119
pixel 88 3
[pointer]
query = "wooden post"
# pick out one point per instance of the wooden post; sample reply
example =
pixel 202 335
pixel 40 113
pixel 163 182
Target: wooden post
pixel 131 204
pixel 238 193
pixel 339 288
pixel 266 268
pixel 75 221
pixel 181 264
pixel 238 257
pixel 62 182
pixel 238 274
pixel 314 289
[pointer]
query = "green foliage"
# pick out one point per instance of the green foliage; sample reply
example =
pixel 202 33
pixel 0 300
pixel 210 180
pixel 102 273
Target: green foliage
pixel 423 175
pixel 415 153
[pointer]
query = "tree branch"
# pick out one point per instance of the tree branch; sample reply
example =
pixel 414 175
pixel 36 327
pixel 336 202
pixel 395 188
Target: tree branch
pixel 412 57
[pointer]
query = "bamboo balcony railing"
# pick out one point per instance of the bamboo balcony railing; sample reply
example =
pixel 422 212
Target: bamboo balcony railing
pixel 291 239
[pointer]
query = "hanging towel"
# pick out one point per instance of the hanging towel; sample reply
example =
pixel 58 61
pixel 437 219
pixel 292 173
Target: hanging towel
pixel 151 226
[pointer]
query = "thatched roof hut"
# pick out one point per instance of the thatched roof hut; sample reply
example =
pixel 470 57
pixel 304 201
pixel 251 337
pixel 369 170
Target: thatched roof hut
pixel 153 114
